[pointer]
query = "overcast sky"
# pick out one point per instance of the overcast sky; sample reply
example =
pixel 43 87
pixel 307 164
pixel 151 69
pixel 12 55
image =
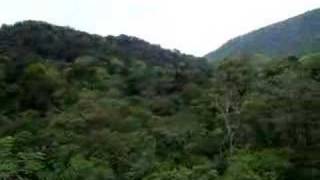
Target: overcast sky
pixel 191 26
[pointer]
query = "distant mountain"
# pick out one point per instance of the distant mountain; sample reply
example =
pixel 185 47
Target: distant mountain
pixel 30 38
pixel 294 37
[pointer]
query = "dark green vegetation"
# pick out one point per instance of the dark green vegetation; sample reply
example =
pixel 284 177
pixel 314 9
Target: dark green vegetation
pixel 294 37
pixel 78 106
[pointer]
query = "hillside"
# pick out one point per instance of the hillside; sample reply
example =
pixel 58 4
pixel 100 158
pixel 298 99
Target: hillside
pixel 293 37
pixel 65 44
pixel 76 106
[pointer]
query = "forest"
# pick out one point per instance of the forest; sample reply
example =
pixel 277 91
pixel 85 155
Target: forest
pixel 87 107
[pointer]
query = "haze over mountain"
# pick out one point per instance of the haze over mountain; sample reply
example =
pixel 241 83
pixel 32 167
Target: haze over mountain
pixel 294 37
pixel 193 26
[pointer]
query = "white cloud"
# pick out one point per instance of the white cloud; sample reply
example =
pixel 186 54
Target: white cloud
pixel 192 26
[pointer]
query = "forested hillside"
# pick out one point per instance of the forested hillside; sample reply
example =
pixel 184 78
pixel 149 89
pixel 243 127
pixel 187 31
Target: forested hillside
pixel 80 106
pixel 294 37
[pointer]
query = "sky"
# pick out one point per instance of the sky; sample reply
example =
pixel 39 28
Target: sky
pixel 191 26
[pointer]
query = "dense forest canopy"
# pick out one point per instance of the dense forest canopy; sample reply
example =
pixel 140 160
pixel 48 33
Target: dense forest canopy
pixel 81 106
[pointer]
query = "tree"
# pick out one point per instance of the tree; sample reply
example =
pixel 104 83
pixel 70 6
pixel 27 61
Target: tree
pixel 232 81
pixel 41 87
pixel 18 165
pixel 259 165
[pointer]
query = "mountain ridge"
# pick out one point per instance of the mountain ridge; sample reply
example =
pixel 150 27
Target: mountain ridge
pixel 292 37
pixel 51 41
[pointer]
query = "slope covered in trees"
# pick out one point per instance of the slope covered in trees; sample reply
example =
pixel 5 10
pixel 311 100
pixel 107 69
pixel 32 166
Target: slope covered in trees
pixel 48 41
pixel 294 37
pixel 80 106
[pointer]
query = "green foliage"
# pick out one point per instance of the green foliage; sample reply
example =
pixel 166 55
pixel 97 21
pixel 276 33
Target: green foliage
pixel 15 164
pixel 78 106
pixel 261 165
pixel 167 172
pixel 41 87
pixel 311 64
pixel 8 165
